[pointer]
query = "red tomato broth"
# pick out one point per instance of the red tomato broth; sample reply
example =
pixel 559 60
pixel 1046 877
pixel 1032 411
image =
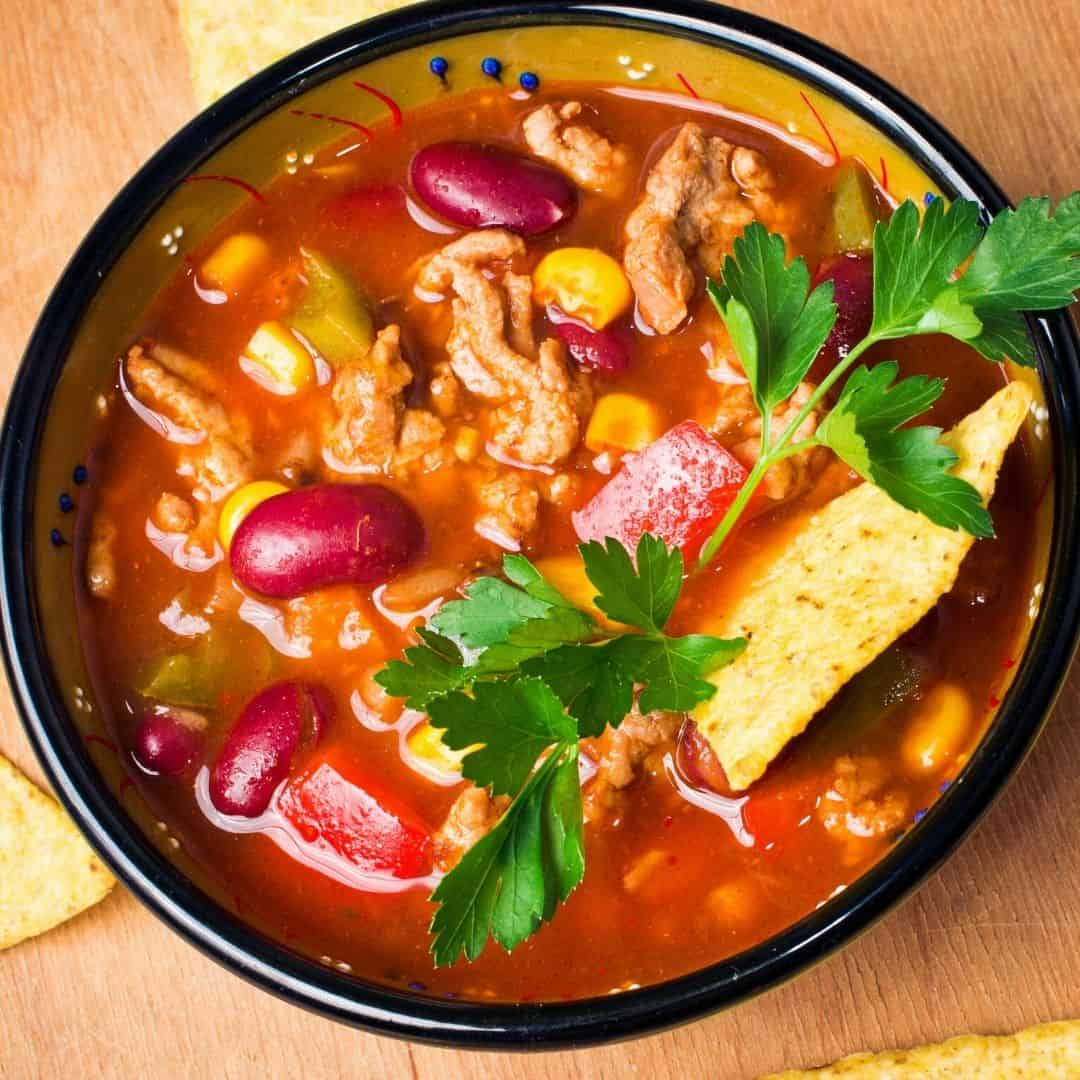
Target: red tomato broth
pixel 708 895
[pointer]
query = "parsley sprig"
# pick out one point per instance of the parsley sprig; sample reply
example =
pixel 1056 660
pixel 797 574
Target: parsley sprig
pixel 515 674
pixel 1025 261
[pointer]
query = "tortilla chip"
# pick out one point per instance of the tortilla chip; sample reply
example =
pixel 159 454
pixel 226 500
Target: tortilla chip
pixel 48 873
pixel 858 575
pixel 229 42
pixel 1046 1052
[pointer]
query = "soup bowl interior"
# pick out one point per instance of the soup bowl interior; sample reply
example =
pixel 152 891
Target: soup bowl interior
pixel 716 61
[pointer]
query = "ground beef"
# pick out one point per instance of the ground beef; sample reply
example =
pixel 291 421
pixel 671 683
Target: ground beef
pixel 558 136
pixel 699 196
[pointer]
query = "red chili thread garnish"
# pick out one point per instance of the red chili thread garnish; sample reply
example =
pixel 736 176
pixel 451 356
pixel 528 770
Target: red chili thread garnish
pixel 365 131
pixel 102 741
pixel 668 821
pixel 994 701
pixel 686 85
pixel 389 102
pixel 1008 663
pixel 884 176
pixel 822 124
pixel 243 184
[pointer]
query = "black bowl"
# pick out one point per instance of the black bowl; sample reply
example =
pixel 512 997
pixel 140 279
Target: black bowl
pixel 30 631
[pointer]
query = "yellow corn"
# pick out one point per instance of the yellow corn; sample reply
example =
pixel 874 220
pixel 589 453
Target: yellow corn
pixel 426 743
pixel 468 444
pixel 584 282
pixel 236 262
pixel 623 422
pixel 939 730
pixel 240 503
pixel 277 353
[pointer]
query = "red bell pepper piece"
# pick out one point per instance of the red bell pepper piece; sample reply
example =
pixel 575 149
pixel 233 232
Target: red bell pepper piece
pixel 677 488
pixel 775 811
pixel 337 810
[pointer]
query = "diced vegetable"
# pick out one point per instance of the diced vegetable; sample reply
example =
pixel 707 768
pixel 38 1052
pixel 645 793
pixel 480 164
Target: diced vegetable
pixel 567 574
pixel 333 314
pixel 340 812
pixel 697 762
pixel 259 749
pixel 198 676
pixel 479 186
pixel 854 210
pixel 606 351
pixel 281 363
pixel 326 534
pixel 240 503
pixel 584 282
pixel 426 743
pixel 356 208
pixel 939 730
pixel 623 422
pixel 237 262
pixel 678 489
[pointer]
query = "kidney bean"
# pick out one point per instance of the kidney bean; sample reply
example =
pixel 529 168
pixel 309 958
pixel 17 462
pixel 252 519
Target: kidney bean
pixel 606 351
pixel 327 534
pixel 167 739
pixel 852 276
pixel 697 761
pixel 476 186
pixel 259 749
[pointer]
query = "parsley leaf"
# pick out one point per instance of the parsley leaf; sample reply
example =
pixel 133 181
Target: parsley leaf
pixel 514 878
pixel 672 667
pixel 641 597
pixel 909 464
pixel 492 608
pixel 776 327
pixel 593 686
pixel 1027 261
pixel 914 267
pixel 427 671
pixel 515 721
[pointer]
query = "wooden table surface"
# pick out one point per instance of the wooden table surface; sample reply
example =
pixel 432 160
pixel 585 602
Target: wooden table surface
pixel 88 89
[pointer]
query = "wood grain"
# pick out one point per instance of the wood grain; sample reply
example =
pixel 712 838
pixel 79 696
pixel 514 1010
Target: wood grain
pixel 88 89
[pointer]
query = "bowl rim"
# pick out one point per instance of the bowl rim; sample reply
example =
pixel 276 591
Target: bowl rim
pixel 245 951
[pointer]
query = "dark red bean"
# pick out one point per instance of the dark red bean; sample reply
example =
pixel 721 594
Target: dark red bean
pixel 359 207
pixel 698 763
pixel 168 738
pixel 477 186
pixel 606 351
pixel 259 749
pixel 853 292
pixel 327 534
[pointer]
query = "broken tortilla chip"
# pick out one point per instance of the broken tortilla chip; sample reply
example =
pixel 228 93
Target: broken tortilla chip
pixel 48 872
pixel 858 575
pixel 1046 1052
pixel 228 43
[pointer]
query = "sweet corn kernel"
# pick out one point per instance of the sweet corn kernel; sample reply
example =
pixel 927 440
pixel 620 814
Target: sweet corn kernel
pixel 236 262
pixel 585 282
pixel 468 443
pixel 623 422
pixel 279 361
pixel 939 730
pixel 240 503
pixel 426 743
